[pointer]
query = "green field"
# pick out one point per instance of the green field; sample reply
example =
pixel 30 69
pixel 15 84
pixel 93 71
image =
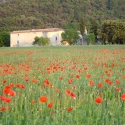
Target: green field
pixel 76 85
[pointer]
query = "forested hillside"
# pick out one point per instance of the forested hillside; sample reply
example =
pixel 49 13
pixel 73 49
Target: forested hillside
pixel 29 14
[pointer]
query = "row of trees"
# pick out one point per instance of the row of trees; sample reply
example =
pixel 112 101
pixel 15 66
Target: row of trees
pixel 109 32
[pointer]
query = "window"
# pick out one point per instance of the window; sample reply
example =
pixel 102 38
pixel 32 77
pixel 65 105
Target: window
pixel 56 38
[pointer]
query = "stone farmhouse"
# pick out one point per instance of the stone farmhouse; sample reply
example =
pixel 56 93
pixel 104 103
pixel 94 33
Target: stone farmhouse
pixel 26 37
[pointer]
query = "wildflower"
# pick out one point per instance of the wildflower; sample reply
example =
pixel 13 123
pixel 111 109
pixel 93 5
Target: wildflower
pixel 98 100
pixel 88 76
pixel 46 81
pixel 61 78
pixel 33 101
pixel 50 105
pixel 100 85
pixel 68 91
pixel 57 90
pixel 69 109
pixel 117 81
pixel 73 95
pixel 91 83
pixel 2 108
pixel 118 90
pixel 7 100
pixel 123 97
pixel 70 81
pixel 77 76
pixel 43 99
pixel 4 81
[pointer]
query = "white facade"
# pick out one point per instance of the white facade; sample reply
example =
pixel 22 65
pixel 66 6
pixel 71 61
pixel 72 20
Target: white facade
pixel 26 37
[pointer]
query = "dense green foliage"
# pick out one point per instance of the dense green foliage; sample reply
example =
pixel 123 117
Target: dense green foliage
pixel 41 41
pixel 71 36
pixel 28 14
pixel 4 39
pixel 112 32
pixel 91 38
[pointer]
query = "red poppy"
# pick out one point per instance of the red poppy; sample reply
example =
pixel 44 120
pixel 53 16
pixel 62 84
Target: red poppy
pixel 69 109
pixel 35 80
pixel 46 81
pixel 20 86
pixel 43 99
pixel 100 94
pixel 100 85
pixel 123 97
pixel 91 83
pixel 2 108
pixel 98 100
pixel 68 91
pixel 117 81
pixel 7 100
pixel 61 78
pixel 118 90
pixel 12 93
pixel 50 105
pixel 33 101
pixel 26 79
pixel 4 81
pixel 57 90
pixel 43 85
pixel 70 81
pixel 77 76
pixel 73 95
pixel 88 76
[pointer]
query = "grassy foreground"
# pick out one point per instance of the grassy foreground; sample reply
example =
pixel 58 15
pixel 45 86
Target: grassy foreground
pixel 78 85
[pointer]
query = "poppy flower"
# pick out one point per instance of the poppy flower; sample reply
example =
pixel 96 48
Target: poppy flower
pixel 57 90
pixel 68 92
pixel 26 79
pixel 88 76
pixel 50 105
pixel 98 100
pixel 2 108
pixel 35 80
pixel 70 81
pixel 91 83
pixel 73 95
pixel 123 97
pixel 7 100
pixel 118 90
pixel 43 99
pixel 61 78
pixel 46 81
pixel 100 85
pixel 117 81
pixel 77 76
pixel 12 93
pixel 69 109
pixel 33 101
pixel 4 81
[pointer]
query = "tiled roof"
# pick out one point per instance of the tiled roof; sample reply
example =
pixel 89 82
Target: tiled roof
pixel 39 30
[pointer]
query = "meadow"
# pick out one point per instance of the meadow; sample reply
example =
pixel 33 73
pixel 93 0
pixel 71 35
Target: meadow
pixel 77 85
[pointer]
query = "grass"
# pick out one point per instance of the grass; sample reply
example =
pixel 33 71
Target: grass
pixel 71 93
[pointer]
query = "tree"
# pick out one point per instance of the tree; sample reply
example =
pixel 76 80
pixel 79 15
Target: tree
pixel 94 28
pixel 91 38
pixel 1 42
pixel 71 36
pixel 113 32
pixel 82 28
pixel 41 41
pixel 5 38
